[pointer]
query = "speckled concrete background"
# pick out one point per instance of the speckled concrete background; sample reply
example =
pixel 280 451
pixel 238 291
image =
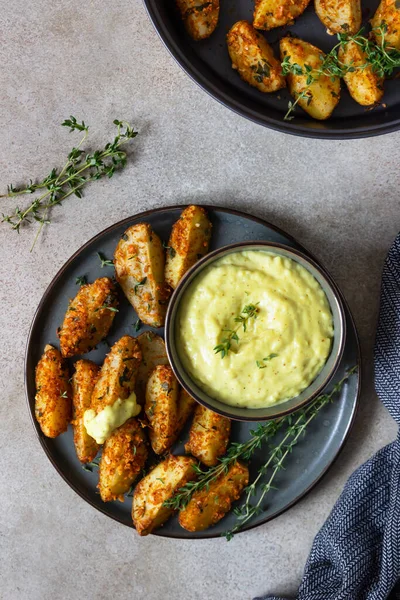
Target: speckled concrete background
pixel 100 61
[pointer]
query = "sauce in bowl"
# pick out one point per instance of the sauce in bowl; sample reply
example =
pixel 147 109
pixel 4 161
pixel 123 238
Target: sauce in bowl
pixel 272 313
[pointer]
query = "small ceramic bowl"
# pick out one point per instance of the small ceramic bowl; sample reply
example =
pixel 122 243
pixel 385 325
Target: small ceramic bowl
pixel 307 395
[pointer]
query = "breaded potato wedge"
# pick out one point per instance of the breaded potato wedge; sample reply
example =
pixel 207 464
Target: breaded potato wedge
pixel 276 13
pixel 254 58
pixel 340 16
pixel 208 436
pixel 153 354
pixel 387 16
pixel 160 485
pixel 83 381
pixel 139 267
pixel 161 408
pixel 200 17
pixel 89 317
pixel 53 405
pixel 363 84
pixel 207 506
pixel 186 405
pixel 123 458
pixel 322 96
pixel 188 242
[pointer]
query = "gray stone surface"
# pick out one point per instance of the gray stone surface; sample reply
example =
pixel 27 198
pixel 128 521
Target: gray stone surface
pixel 99 61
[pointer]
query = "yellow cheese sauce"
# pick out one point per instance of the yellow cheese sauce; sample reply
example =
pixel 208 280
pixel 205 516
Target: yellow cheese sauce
pixel 282 350
pixel 101 425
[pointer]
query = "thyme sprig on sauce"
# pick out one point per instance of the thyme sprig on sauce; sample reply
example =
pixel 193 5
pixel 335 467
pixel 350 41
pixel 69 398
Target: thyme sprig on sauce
pixel 248 312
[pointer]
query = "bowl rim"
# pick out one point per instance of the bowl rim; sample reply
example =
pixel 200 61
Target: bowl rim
pixel 169 333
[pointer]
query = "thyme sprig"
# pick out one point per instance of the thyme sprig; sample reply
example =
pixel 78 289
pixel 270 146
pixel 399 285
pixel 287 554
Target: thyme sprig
pixel 80 168
pixel 248 312
pixel 379 56
pixel 94 464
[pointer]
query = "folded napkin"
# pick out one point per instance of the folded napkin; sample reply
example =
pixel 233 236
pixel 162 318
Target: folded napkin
pixel 356 554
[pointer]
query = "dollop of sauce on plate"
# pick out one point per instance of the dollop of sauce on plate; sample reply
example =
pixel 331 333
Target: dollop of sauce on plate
pixel 101 425
pixel 285 344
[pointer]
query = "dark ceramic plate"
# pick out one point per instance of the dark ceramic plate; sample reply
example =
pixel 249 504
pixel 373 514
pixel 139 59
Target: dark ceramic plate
pixel 312 457
pixel 208 64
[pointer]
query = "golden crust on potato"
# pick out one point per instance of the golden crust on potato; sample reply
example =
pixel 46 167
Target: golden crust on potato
pixel 53 393
pixel 200 17
pixel 363 84
pixel 277 13
pixel 83 383
pixel 161 408
pixel 118 373
pixel 254 58
pixel 188 242
pixel 153 351
pixel 123 458
pixel 207 506
pixel 323 95
pixel 139 267
pixel 88 318
pixel 160 485
pixel 186 405
pixel 208 436
pixel 340 16
pixel 387 15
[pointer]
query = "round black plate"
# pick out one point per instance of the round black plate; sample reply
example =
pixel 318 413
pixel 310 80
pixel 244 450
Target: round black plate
pixel 207 63
pixel 313 455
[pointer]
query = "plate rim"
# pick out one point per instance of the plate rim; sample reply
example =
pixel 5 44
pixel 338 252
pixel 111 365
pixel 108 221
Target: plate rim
pixel 53 283
pixel 289 127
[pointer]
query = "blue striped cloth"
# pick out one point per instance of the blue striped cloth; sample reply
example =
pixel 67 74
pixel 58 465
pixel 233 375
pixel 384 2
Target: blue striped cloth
pixel 356 554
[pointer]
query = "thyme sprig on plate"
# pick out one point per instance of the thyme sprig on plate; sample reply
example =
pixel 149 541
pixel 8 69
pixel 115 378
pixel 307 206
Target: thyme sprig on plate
pixel 80 168
pixel 382 58
pixel 293 425
pixel 248 312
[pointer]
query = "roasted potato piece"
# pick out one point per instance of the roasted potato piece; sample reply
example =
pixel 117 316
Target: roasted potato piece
pixel 207 506
pixel 199 17
pixel 189 241
pixel 387 16
pixel 161 408
pixel 83 382
pixel 322 96
pixel 276 13
pixel 363 84
pixel 339 16
pixel 160 485
pixel 254 58
pixel 124 456
pixel 186 406
pixel 89 317
pixel 139 267
pixel 153 354
pixel 208 436
pixel 53 405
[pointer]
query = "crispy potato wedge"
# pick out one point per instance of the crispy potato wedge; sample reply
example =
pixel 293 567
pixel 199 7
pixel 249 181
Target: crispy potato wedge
pixel 118 373
pixel 207 506
pixel 186 405
pixel 276 13
pixel 340 16
pixel 387 15
pixel 254 58
pixel 83 382
pixel 53 405
pixel 153 354
pixel 124 456
pixel 139 266
pixel 189 241
pixel 208 436
pixel 161 408
pixel 199 17
pixel 323 95
pixel 363 84
pixel 160 485
pixel 89 317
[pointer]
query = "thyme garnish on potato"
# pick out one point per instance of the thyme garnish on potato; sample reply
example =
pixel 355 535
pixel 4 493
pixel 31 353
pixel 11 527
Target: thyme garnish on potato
pixel 248 312
pixel 293 427
pixel 80 168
